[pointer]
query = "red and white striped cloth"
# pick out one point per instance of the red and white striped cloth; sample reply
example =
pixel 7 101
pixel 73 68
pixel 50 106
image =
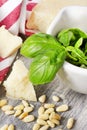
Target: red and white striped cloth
pixel 13 14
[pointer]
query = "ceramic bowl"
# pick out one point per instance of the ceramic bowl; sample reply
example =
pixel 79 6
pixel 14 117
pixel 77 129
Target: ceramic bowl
pixel 71 17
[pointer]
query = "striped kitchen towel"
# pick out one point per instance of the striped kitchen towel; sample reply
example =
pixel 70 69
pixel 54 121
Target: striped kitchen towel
pixel 13 14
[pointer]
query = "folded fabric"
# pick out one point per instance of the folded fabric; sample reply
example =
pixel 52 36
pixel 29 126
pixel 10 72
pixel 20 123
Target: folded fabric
pixel 13 14
pixel 5 66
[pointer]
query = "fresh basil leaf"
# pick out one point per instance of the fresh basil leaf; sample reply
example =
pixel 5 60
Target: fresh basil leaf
pixel 70 36
pixel 82 58
pixel 75 45
pixel 56 56
pixel 41 71
pixel 48 56
pixel 70 50
pixel 66 37
pixel 79 42
pixel 44 68
pixel 37 44
pixel 32 50
pixel 76 55
pixel 78 33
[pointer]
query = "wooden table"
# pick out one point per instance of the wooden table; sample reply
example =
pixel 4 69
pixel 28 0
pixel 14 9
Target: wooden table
pixel 77 105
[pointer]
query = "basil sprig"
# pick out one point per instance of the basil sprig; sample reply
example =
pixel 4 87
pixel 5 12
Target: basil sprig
pixel 75 42
pixel 48 57
pixel 49 53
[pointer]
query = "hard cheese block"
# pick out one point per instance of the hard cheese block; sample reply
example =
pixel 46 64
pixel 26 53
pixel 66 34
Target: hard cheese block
pixel 18 85
pixel 9 43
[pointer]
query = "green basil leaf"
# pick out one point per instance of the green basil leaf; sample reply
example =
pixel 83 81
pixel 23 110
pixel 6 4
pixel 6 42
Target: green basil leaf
pixel 44 68
pixel 41 71
pixel 74 41
pixel 82 58
pixel 70 50
pixel 37 44
pixel 79 42
pixel 78 33
pixel 48 56
pixel 65 38
pixel 70 36
pixel 76 55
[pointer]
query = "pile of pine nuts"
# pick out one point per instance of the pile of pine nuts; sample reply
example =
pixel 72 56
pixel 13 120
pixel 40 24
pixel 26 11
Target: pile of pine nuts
pixel 21 111
pixel 48 116
pixel 7 127
pixel 48 113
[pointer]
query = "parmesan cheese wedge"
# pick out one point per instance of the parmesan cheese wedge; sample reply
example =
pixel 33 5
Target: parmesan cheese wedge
pixel 18 85
pixel 9 43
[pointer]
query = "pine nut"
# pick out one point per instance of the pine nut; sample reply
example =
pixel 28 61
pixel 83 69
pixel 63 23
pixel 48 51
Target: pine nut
pixel 19 107
pixel 36 127
pixel 44 127
pixel 11 127
pixel 54 115
pixel 23 115
pixel 9 112
pixel 41 122
pixel 62 108
pixel 25 103
pixel 55 98
pixel 5 127
pixel 42 98
pixel 48 105
pixel 70 123
pixel 51 124
pixel 28 109
pixel 3 102
pixel 41 110
pixel 7 107
pixel 29 118
pixel 55 121
pixel 44 116
pixel 17 113
pixel 49 110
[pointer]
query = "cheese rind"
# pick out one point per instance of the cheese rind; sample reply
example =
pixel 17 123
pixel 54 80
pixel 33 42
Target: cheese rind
pixel 9 43
pixel 18 85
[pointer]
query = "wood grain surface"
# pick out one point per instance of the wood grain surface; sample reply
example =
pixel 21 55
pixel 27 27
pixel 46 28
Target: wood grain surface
pixel 77 105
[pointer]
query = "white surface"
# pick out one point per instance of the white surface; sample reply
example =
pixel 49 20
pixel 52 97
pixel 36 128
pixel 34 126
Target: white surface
pixel 69 17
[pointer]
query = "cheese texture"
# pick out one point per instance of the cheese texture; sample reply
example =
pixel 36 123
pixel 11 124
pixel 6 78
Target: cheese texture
pixel 18 85
pixel 9 43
